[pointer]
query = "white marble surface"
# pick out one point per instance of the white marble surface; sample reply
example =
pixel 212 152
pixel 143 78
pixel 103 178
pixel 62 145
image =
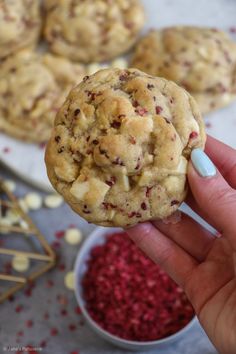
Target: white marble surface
pixel 44 299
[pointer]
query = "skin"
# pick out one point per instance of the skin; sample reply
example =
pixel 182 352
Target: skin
pixel 203 264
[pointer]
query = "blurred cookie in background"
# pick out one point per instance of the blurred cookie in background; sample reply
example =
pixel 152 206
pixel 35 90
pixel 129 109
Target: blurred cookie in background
pixel 92 30
pixel 32 89
pixel 66 73
pixel 202 60
pixel 20 25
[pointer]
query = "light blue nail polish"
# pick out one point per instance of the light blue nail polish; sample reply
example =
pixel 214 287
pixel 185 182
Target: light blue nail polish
pixel 202 163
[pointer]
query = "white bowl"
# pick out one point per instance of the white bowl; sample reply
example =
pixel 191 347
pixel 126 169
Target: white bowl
pixel 97 237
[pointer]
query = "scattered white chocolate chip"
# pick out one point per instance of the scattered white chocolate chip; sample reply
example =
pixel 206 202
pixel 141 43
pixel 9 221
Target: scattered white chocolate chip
pixel 9 184
pixel 53 201
pixel 33 201
pixel 20 263
pixel 73 236
pixel 93 68
pixel 120 63
pixel 69 280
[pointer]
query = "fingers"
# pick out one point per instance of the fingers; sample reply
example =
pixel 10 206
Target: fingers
pixel 189 235
pixel 224 157
pixel 212 194
pixel 174 260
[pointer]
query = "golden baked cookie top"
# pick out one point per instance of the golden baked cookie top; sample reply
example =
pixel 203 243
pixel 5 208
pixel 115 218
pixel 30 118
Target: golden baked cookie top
pixel 20 25
pixel 199 59
pixel 92 30
pixel 120 147
pixel 66 73
pixel 32 88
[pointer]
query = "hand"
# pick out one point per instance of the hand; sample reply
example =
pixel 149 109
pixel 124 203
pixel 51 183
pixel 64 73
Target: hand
pixel 203 264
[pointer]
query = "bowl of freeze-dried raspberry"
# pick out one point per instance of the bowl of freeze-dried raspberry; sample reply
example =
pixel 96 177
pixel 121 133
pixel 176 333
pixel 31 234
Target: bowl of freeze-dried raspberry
pixel 125 297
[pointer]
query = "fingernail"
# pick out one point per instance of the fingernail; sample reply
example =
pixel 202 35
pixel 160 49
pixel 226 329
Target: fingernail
pixel 202 163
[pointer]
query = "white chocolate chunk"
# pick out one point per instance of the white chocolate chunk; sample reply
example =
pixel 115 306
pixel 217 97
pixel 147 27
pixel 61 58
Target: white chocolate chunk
pixel 20 263
pixel 124 180
pixel 203 52
pixel 93 68
pixel 145 178
pixel 120 63
pixel 69 280
pixel 73 236
pixel 79 189
pixel 53 201
pixel 91 192
pixel 182 166
pixel 97 192
pixel 171 184
pixel 33 201
pixel 194 125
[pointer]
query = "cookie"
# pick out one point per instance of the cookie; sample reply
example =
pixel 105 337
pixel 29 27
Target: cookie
pixel 120 147
pixel 92 30
pixel 20 25
pixel 66 73
pixel 202 60
pixel 32 88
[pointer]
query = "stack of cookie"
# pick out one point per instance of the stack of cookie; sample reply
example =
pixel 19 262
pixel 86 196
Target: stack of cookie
pixel 33 85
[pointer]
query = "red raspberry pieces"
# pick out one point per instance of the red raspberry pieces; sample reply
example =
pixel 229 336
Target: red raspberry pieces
pixel 130 296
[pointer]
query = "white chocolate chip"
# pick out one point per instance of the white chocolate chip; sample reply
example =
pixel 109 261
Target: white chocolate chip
pixel 10 185
pixel 53 201
pixel 73 236
pixel 93 68
pixel 203 52
pixel 120 63
pixel 79 189
pixel 69 280
pixel 92 192
pixel 124 180
pixel 20 263
pixel 33 201
pixel 182 166
pixel 171 184
pixel 145 178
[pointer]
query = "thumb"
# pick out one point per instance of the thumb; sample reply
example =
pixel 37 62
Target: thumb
pixel 214 196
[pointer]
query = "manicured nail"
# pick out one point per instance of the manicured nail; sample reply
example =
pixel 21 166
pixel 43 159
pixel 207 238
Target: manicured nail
pixel 202 163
